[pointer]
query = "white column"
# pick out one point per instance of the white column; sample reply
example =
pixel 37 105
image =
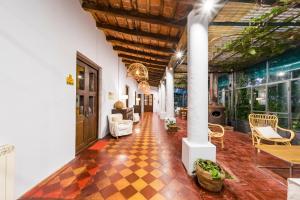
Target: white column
pixel 163 103
pixel 196 145
pixel 159 99
pixel 142 103
pixel 170 94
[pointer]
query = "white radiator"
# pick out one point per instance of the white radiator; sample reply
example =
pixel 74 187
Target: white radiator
pixel 7 172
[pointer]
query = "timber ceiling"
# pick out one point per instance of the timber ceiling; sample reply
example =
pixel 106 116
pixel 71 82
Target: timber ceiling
pixel 144 31
pixel 151 31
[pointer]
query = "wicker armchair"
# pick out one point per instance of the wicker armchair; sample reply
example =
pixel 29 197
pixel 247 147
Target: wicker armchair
pixel 263 120
pixel 216 131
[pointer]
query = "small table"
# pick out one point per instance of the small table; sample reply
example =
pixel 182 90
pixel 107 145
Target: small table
pixel 290 154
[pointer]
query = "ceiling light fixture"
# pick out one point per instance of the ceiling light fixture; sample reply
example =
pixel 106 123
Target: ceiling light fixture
pixel 209 8
pixel 179 54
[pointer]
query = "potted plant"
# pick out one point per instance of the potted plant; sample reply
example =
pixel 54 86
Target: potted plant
pixel 171 125
pixel 209 174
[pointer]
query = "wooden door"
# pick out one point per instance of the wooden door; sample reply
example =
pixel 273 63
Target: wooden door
pixel 87 93
pixel 148 103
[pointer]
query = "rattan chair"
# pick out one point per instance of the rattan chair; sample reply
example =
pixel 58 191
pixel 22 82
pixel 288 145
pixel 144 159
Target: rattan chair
pixel 216 131
pixel 263 120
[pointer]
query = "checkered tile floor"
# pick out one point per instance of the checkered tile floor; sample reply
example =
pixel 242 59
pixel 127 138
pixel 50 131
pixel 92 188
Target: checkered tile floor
pixel 147 165
pixel 134 167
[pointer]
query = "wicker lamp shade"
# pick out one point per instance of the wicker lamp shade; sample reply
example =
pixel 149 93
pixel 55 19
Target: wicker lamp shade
pixel 144 86
pixel 138 71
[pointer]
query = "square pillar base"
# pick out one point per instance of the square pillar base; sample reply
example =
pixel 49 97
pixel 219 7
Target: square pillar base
pixel 192 151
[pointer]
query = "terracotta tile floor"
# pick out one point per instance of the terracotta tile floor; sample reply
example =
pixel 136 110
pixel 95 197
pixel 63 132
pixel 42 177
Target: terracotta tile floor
pixel 147 165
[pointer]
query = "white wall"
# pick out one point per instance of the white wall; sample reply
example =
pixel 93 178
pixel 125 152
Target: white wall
pixel 38 44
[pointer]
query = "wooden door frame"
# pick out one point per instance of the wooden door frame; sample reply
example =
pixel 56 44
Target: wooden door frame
pixel 92 64
pixel 127 91
pixel 152 97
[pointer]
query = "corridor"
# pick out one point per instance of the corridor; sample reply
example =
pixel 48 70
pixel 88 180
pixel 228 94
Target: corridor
pixel 147 165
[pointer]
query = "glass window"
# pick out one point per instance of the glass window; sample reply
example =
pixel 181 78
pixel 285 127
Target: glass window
pixel 281 68
pixel 259 98
pixel 223 82
pixel 278 74
pixel 80 77
pixel 277 97
pixel 91 105
pixel 295 104
pixel 79 104
pixel 254 76
pixel 92 81
pixel 296 73
pixel 243 103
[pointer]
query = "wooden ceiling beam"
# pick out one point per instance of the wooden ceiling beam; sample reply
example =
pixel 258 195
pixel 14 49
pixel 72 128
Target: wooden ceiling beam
pixel 147 64
pixel 141 53
pixel 134 15
pixel 155 78
pixel 149 61
pixel 181 47
pixel 139 45
pixel 154 72
pixel 138 33
pixel 151 68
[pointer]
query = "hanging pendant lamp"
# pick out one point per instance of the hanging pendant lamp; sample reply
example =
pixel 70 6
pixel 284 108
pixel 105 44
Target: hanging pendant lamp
pixel 138 71
pixel 144 86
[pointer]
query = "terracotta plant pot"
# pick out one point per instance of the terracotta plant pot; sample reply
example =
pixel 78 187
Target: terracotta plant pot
pixel 172 129
pixel 207 182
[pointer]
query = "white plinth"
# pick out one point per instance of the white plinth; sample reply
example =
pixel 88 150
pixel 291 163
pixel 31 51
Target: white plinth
pixel 293 189
pixel 193 151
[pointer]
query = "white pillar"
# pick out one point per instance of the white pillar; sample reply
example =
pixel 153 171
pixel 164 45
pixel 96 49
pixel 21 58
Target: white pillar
pixel 159 99
pixel 170 94
pixel 163 103
pixel 196 145
pixel 142 103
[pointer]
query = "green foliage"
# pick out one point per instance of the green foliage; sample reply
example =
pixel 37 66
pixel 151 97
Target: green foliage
pixel 170 122
pixel 243 105
pixel 209 166
pixel 296 125
pixel 258 41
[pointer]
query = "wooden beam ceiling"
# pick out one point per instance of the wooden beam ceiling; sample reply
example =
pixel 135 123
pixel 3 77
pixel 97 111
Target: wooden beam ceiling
pixel 139 45
pixel 181 47
pixel 149 61
pixel 141 53
pixel 138 33
pixel 149 66
pixel 134 15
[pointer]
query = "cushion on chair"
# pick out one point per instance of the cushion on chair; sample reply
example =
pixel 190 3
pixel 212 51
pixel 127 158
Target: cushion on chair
pixel 122 127
pixel 115 119
pixel 267 132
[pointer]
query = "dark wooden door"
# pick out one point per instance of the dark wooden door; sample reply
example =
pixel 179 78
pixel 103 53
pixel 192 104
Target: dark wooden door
pixel 86 105
pixel 148 103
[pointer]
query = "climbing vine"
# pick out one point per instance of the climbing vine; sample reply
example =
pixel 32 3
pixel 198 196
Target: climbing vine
pixel 258 41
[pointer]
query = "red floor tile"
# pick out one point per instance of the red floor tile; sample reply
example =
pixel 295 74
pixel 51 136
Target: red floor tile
pixel 148 165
